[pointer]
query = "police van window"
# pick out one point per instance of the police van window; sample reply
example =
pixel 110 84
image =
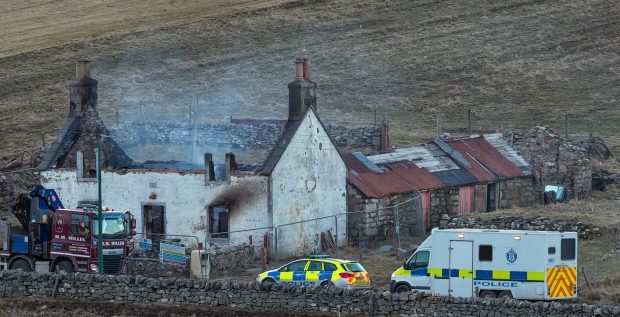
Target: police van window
pixel 567 249
pixel 420 260
pixel 330 266
pixel 315 266
pixel 551 250
pixel 295 266
pixel 485 253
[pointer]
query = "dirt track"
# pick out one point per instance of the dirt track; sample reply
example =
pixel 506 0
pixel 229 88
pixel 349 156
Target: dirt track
pixel 48 307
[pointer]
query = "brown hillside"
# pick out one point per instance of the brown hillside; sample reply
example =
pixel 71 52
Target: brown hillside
pixel 516 63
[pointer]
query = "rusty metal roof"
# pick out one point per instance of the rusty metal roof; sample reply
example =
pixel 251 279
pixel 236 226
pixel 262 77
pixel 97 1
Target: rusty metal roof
pixel 498 142
pixel 397 177
pixel 487 164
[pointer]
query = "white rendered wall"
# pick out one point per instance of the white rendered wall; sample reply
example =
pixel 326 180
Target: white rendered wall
pixel 308 182
pixel 185 196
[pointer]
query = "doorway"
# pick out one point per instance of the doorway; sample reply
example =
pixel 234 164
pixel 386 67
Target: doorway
pixel 154 219
pixel 491 197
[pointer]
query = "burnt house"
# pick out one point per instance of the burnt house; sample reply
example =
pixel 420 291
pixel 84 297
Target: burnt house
pixel 301 178
pixel 446 176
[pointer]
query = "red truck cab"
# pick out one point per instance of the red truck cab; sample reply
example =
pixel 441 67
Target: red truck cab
pixel 74 241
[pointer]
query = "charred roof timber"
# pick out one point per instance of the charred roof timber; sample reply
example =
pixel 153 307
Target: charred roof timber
pixel 301 91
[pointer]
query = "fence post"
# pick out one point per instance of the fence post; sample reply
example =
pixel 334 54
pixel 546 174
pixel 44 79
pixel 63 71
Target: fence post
pixel 275 229
pixel 337 250
pixel 397 224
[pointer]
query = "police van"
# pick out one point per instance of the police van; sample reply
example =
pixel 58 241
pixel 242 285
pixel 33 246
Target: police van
pixel 537 265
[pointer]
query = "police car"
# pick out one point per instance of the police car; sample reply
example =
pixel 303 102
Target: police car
pixel 316 271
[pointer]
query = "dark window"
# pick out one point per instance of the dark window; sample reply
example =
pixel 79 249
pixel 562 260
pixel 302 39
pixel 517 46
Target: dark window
pixel 76 228
pixel 551 250
pixel 485 253
pixel 330 267
pixel 218 222
pixel 568 249
pixel 419 260
pixel 354 267
pixel 315 266
pixel 295 266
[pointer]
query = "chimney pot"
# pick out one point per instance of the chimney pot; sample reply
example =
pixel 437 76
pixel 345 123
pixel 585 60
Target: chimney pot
pixel 306 69
pixel 82 69
pixel 299 69
pixel 209 167
pixel 230 164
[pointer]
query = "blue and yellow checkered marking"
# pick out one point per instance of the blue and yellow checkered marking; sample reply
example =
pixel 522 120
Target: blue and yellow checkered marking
pixel 300 276
pixel 500 275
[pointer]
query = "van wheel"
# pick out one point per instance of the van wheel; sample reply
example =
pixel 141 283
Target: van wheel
pixel 403 288
pixel 64 266
pixel 505 295
pixel 326 284
pixel 21 264
pixel 487 294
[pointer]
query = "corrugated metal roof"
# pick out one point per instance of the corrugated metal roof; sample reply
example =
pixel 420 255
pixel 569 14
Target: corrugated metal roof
pixel 455 177
pixel 429 156
pixel 498 142
pixel 487 163
pixel 397 178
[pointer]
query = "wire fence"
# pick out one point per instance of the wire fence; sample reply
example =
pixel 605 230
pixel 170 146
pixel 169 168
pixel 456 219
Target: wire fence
pixel 164 255
pixel 393 227
pixel 594 272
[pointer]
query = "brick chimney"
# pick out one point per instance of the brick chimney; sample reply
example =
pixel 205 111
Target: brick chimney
pixel 82 90
pixel 301 91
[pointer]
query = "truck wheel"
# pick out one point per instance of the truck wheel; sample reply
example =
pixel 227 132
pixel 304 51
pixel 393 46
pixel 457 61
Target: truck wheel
pixel 64 266
pixel 487 294
pixel 505 295
pixel 403 288
pixel 21 264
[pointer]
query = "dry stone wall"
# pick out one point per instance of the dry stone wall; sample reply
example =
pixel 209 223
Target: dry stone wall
pixel 250 296
pixel 586 231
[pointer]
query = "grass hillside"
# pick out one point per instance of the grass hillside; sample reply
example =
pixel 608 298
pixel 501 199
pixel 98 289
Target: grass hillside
pixel 517 63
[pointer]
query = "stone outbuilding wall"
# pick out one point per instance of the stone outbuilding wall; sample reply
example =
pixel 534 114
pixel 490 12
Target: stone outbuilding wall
pixel 372 219
pixel 249 296
pixel 555 161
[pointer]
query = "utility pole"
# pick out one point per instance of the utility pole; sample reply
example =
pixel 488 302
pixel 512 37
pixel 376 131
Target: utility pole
pixel 566 125
pixel 438 126
pixel 469 111
pixel 100 213
pixel 375 115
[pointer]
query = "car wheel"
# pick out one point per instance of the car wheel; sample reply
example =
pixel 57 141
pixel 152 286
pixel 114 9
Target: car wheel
pixel 326 284
pixel 64 266
pixel 268 283
pixel 505 295
pixel 21 264
pixel 403 288
pixel 487 294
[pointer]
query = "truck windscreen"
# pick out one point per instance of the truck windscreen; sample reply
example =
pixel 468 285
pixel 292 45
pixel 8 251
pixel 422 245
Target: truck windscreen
pixel 112 227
